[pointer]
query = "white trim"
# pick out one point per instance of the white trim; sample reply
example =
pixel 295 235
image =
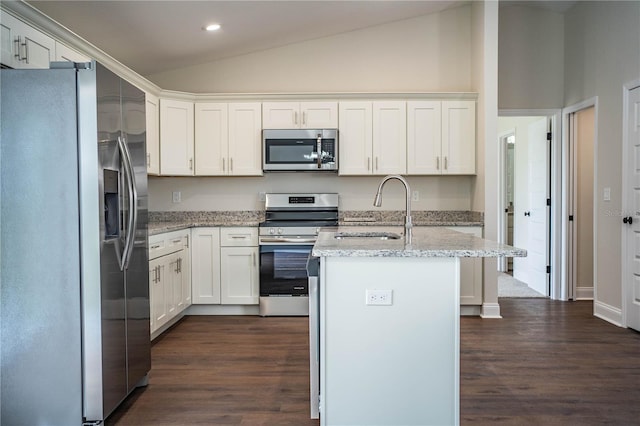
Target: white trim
pixel 222 310
pixel 608 313
pixel 566 112
pixel 557 255
pixel 584 293
pixel 626 268
pixel 502 194
pixel 490 311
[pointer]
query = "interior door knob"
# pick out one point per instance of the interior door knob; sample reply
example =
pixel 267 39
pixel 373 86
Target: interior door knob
pixel 527 213
pixel 628 220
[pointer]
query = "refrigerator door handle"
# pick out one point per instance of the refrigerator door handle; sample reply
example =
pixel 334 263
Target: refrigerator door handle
pixel 133 202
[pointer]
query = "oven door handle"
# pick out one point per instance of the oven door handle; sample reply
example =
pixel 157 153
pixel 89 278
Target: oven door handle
pixel 287 240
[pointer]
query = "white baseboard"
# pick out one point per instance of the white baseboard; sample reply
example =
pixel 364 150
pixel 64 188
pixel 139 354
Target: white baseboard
pixel 490 310
pixel 608 313
pixel 584 293
pixel 470 310
pixel 167 325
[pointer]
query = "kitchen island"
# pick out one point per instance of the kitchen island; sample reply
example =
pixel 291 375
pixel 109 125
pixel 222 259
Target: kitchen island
pixel 389 318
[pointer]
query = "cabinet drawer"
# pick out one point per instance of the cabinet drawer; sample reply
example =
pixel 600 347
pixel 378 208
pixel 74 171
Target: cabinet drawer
pixel 167 243
pixel 239 237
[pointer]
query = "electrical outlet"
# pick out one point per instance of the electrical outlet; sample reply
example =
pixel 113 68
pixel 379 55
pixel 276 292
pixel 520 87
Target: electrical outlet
pixel 379 297
pixel 177 197
pixel 415 196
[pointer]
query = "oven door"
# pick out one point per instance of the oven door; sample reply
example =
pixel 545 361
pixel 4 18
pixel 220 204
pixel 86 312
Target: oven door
pixel 283 270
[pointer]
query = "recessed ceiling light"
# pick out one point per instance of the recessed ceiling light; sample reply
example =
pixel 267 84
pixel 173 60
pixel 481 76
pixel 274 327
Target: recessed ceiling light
pixel 212 27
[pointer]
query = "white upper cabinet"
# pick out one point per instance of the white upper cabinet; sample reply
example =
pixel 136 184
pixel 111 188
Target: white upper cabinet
pixel 424 137
pixel 459 137
pixel 372 137
pixel 176 138
pixel 228 139
pixel 64 53
pixel 299 115
pixel 441 137
pixel 152 112
pixel 23 46
pixel 245 139
pixel 389 137
pixel 212 139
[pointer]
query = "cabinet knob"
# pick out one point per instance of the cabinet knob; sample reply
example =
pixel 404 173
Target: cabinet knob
pixel 628 220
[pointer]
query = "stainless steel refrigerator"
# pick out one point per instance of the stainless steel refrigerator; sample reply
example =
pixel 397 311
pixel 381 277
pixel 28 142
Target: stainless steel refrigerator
pixel 74 278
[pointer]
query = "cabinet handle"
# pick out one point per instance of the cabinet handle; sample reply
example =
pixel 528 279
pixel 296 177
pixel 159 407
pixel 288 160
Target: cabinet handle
pixel 16 48
pixel 155 247
pixel 148 160
pixel 239 237
pixel 187 242
pixel 437 163
pixel 368 163
pixel 26 51
pixel 446 164
pixel 253 258
pixel 295 117
pixel 377 168
pixel 231 164
pixel 191 164
pixel 223 165
pixel 177 240
pixel 304 118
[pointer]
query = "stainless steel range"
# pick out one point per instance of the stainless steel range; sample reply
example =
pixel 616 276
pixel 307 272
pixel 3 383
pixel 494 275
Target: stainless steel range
pixel 292 223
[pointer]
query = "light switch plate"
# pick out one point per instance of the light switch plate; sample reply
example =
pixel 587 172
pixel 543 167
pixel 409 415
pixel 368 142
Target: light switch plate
pixel 607 194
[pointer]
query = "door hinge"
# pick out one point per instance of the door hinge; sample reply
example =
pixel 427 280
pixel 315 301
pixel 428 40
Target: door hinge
pixel 549 136
pixel 548 201
pixel 570 218
pixel 548 269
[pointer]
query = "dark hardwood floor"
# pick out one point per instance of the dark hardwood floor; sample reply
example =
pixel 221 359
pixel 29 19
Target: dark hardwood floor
pixel 544 363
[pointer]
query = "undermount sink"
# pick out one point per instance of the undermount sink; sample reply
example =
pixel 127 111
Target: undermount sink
pixel 377 235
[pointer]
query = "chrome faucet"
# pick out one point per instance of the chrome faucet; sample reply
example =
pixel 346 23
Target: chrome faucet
pixel 407 218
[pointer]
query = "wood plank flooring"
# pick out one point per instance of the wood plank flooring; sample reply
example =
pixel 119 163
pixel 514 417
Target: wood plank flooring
pixel 544 363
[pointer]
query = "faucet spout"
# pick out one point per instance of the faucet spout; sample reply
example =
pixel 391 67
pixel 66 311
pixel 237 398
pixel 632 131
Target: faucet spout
pixel 407 218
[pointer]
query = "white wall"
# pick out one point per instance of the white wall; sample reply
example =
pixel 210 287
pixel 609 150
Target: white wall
pixel 426 53
pixel 602 45
pixel 531 58
pixel 356 193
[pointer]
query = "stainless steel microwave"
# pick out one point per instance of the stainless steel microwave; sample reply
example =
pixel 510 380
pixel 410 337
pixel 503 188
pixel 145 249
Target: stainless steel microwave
pixel 300 150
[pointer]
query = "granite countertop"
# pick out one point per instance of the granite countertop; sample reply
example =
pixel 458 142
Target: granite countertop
pixel 426 242
pixel 160 222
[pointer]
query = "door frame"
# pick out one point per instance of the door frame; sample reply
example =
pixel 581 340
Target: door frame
pixel 502 182
pixel 568 264
pixel 557 286
pixel 626 203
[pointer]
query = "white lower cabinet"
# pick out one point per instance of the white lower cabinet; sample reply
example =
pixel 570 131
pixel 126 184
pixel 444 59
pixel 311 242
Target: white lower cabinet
pixel 169 278
pixel 225 266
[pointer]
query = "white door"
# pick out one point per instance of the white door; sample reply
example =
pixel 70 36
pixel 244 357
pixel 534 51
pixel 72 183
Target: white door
pixel 538 213
pixel 632 231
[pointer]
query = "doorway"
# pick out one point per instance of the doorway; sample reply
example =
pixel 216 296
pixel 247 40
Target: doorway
pixel 528 145
pixel 581 185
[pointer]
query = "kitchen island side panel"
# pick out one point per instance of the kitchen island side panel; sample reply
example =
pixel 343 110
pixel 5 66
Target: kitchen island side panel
pixel 390 365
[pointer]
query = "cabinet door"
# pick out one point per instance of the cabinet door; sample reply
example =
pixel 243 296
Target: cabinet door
pixel 281 115
pixel 173 284
pixel 37 49
pixel 356 140
pixel 459 137
pixel 176 137
pixel 211 139
pixel 245 139
pixel 389 137
pixel 185 268
pixel 157 295
pixel 205 265
pixel 423 137
pixel 64 53
pixel 319 115
pixel 239 275
pixel 470 272
pixel 8 35
pixel 152 112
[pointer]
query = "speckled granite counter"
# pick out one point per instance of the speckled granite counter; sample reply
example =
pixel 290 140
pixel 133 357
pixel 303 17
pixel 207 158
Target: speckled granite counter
pixel 160 222
pixel 419 218
pixel 426 242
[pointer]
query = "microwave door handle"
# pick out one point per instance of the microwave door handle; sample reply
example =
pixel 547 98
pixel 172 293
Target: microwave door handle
pixel 319 150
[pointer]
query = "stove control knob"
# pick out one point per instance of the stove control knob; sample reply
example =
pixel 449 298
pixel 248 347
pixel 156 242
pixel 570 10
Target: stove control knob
pixel 272 231
pixel 279 230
